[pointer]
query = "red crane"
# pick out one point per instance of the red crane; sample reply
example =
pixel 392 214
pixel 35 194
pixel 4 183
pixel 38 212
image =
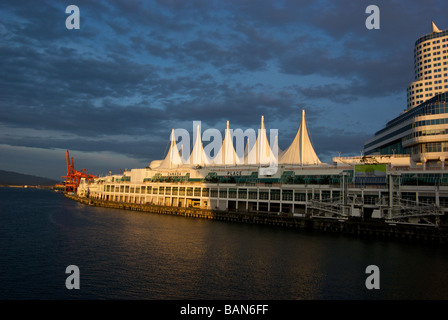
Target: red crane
pixel 74 176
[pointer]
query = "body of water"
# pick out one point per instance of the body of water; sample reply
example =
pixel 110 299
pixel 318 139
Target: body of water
pixel 134 255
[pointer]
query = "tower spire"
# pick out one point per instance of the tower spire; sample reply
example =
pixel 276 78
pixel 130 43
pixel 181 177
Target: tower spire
pixel 434 28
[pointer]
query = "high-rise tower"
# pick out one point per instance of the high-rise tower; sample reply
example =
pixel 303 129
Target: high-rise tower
pixel 422 130
pixel 430 65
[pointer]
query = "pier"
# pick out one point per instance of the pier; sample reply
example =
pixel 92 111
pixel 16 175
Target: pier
pixel 358 227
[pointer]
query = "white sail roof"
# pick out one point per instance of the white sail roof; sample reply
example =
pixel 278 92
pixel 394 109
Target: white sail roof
pixel 227 154
pixel 249 158
pixel 276 151
pixel 301 150
pixel 198 156
pixel 260 152
pixel 173 158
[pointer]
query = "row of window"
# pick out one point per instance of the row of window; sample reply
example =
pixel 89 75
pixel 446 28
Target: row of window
pixel 425 133
pixel 419 54
pixel 272 194
pixel 430 147
pixel 435 105
pixel 430 37
pixel 419 76
pixel 393 148
pixel 420 72
pixel 290 195
pixel 428 66
pixel 390 135
pixel 429 43
pixel 419 63
pixel 181 191
pixel 231 193
pixel 431 122
pixel 427 95
pixel 437 87
pixel 420 84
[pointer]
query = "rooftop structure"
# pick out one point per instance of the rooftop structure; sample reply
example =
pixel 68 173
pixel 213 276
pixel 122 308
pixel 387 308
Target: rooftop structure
pixel 260 152
pixel 301 150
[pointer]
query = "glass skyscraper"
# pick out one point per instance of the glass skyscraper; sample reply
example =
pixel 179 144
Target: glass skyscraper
pixel 422 130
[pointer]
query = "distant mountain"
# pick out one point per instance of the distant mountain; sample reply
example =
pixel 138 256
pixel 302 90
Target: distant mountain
pixel 14 178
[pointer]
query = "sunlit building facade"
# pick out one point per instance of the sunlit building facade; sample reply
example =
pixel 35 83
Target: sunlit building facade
pixel 404 180
pixel 430 67
pixel 422 130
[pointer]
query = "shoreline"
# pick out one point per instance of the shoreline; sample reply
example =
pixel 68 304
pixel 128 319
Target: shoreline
pixel 372 228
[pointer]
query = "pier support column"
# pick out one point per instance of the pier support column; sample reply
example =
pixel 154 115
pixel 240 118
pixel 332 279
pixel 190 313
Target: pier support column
pixel 424 163
pixel 394 193
pixel 344 189
pixel 442 160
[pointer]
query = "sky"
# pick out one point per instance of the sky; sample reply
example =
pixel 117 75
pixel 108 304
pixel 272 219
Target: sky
pixel 111 91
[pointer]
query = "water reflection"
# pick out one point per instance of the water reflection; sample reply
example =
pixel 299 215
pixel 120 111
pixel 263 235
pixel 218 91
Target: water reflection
pixel 134 255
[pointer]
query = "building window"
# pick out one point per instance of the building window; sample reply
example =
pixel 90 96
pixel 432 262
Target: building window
pixel 242 193
pixel 275 194
pixel 223 193
pixel 264 195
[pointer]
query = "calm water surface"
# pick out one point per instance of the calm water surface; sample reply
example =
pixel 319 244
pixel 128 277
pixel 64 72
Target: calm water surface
pixel 131 255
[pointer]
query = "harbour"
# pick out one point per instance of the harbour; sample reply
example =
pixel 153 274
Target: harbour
pixel 215 159
pixel 134 255
pixel 397 190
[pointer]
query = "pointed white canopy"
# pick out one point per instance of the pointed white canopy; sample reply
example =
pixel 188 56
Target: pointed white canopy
pixel 227 154
pixel 173 158
pixel 301 150
pixel 275 148
pixel 249 158
pixel 198 156
pixel 434 28
pixel 260 152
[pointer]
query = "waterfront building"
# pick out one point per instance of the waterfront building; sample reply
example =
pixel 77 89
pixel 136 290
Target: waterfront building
pixel 381 187
pixel 402 178
pixel 421 131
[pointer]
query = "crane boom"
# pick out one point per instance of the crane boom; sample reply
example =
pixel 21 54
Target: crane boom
pixel 74 176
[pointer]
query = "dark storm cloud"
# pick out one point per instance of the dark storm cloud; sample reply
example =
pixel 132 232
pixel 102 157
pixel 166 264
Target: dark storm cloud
pixel 360 78
pixel 136 69
pixel 137 148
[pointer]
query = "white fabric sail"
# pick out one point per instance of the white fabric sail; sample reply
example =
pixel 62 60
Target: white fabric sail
pixel 261 152
pixel 173 158
pixel 249 157
pixel 227 154
pixel 198 156
pixel 276 149
pixel 301 150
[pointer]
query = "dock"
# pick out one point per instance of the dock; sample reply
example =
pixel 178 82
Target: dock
pixel 358 227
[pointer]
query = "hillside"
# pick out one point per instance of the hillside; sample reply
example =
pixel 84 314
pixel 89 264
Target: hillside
pixel 14 178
